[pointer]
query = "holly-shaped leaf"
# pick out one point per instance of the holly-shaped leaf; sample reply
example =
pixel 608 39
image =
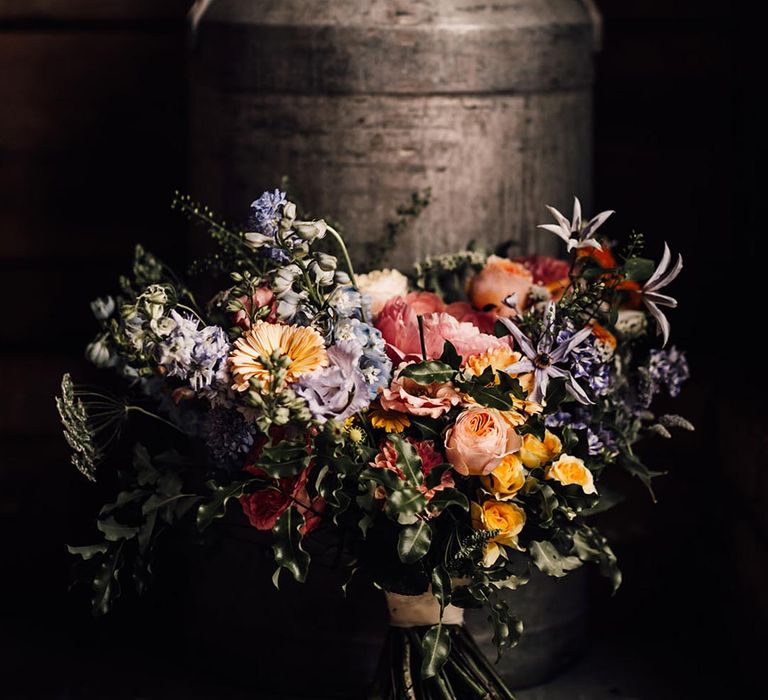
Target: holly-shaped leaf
pixel 550 561
pixel 217 505
pixel 289 554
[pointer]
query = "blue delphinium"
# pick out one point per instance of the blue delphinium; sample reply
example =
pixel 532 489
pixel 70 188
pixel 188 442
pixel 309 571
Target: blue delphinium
pixel 227 435
pixel 665 369
pixel 587 363
pixel 265 212
pixel 338 391
pixel 374 363
pixel 197 355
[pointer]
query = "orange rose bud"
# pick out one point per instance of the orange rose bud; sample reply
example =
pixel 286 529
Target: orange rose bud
pixel 500 280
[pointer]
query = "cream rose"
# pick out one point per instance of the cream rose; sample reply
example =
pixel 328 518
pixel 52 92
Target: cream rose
pixel 572 470
pixel 381 286
pixel 479 440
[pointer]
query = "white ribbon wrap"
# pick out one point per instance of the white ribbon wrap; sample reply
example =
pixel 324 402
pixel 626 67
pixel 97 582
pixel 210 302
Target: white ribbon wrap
pixel 420 610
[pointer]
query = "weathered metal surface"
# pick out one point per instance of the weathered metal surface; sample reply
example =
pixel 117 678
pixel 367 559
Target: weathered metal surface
pixel 362 102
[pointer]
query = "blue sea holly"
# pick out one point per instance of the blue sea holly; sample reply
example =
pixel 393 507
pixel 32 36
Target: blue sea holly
pixel 543 357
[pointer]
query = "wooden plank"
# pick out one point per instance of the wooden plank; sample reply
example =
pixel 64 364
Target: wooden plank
pixel 79 10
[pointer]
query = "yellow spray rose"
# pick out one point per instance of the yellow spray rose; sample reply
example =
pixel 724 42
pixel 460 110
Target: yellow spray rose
pixel 507 479
pixel 572 470
pixel 536 453
pixel 507 518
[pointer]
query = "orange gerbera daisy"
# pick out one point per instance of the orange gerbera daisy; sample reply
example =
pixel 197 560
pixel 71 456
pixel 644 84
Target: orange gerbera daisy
pixel 302 346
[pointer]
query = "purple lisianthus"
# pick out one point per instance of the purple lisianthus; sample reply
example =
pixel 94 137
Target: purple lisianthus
pixel 339 390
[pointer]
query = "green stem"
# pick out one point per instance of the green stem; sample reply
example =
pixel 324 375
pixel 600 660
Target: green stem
pixel 139 409
pixel 344 252
pixel 191 310
pixel 420 319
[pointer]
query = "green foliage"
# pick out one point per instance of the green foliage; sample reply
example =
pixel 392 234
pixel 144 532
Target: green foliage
pixel 436 646
pixel 413 542
pixel 429 372
pixel 77 430
pixel 406 215
pixel 590 545
pixel 550 561
pixel 289 554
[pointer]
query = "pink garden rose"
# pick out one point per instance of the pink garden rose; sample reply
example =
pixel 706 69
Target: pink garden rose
pixel 407 396
pixel 501 279
pixel 398 323
pixel 425 303
pixel 479 440
pixel 464 311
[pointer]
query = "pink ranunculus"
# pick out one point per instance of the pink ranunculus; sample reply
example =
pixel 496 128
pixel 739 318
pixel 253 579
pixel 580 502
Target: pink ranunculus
pixel 425 303
pixel 399 326
pixel 465 312
pixel 262 297
pixel 479 440
pixel 499 281
pixel 407 396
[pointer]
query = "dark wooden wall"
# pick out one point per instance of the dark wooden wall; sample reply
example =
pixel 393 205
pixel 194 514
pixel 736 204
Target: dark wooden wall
pixel 92 144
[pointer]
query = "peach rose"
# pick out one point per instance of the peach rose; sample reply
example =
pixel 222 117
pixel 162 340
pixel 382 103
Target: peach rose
pixel 572 470
pixel 479 440
pixel 407 396
pixel 501 279
pixel 381 286
pixel 507 479
pixel 536 453
pixel 507 518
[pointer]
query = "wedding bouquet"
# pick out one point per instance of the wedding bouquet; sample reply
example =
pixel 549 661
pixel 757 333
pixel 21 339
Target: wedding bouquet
pixel 451 425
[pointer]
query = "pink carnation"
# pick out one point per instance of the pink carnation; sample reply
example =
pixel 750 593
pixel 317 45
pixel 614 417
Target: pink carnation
pixel 407 396
pixel 398 323
pixel 430 458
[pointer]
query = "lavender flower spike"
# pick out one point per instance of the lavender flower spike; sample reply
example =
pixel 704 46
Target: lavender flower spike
pixel 574 233
pixel 660 278
pixel 541 358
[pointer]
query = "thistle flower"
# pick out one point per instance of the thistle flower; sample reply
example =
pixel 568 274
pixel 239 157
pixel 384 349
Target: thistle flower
pixel 575 233
pixel 227 434
pixel 542 357
pixel 299 348
pixel 661 277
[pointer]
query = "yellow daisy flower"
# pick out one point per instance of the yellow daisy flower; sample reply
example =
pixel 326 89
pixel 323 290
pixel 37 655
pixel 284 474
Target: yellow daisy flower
pixel 302 346
pixel 391 421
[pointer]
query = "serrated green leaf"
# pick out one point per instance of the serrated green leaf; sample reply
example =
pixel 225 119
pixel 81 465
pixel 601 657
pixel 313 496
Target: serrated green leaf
pixel 429 372
pixel 507 629
pixel 448 497
pixel 550 561
pixel 430 428
pixel 114 531
pixel 489 396
pixel 289 554
pixel 284 459
pixel 590 545
pixel 436 645
pixel 414 541
pixel 88 551
pixel 217 505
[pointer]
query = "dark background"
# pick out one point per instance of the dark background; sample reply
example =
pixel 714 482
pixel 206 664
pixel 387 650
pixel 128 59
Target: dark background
pixel 92 145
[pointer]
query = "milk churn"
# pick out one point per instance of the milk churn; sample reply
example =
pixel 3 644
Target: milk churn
pixel 363 102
